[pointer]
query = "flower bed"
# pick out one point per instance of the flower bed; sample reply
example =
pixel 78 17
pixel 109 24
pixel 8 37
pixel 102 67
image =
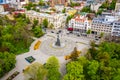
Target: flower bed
pixel 13 75
pixel 37 45
pixel 30 59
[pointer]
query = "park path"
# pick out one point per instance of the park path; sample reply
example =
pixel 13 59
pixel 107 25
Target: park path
pixel 41 57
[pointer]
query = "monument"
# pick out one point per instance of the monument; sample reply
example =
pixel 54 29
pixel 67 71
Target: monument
pixel 58 41
pixel 58 46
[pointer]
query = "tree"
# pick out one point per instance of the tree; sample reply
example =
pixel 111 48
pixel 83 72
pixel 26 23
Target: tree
pixel 112 5
pixel 45 23
pixel 51 26
pixel 92 69
pixel 35 71
pixel 7 62
pixel 75 54
pixel 101 34
pixel 41 3
pixel 52 66
pixel 86 9
pixel 28 7
pixel 38 31
pixel 35 23
pixel 74 71
pixel 88 32
pixel 99 12
pixel 64 10
pixel 69 18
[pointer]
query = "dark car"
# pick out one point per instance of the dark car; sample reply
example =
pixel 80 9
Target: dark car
pixel 96 39
pixel 52 32
pixel 60 31
pixel 78 35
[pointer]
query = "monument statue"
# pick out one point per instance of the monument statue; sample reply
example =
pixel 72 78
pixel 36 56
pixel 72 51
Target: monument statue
pixel 58 41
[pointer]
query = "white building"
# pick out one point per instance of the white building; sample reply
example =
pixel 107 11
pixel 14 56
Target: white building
pixel 103 24
pixel 58 20
pixel 17 4
pixel 80 24
pixel 95 7
pixel 1 8
pixel 116 28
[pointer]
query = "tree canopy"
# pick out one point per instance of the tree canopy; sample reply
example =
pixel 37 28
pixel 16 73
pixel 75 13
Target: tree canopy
pixel 7 62
pixel 53 66
pixel 100 63
pixel 45 23
pixel 35 71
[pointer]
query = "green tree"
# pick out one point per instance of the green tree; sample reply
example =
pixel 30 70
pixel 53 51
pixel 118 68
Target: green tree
pixel 69 18
pixel 99 12
pixel 112 5
pixel 28 7
pixel 45 23
pixel 88 32
pixel 35 23
pixel 35 71
pixel 7 62
pixel 41 3
pixel 64 10
pixel 86 9
pixel 52 66
pixel 92 69
pixel 38 31
pixel 74 71
pixel 101 34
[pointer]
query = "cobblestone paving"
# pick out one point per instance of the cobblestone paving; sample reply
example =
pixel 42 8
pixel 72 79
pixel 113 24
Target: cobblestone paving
pixel 47 48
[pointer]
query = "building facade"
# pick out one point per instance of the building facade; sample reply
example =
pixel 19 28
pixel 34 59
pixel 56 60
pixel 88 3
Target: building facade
pixel 58 20
pixel 116 28
pixel 103 25
pixel 117 7
pixel 54 2
pixel 1 8
pixel 80 24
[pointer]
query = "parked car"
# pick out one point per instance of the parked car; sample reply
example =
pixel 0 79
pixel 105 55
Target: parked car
pixel 78 35
pixel 52 32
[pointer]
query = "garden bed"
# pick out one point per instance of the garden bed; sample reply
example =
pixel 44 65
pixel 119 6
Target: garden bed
pixel 30 59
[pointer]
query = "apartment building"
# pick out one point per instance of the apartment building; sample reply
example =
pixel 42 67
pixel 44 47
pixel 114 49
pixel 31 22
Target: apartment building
pixel 103 24
pixel 58 20
pixel 116 28
pixel 80 24
pixel 17 4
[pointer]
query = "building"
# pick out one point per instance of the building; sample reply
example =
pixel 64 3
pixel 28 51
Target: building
pixel 1 8
pixel 55 2
pixel 103 24
pixel 58 20
pixel 95 7
pixel 17 4
pixel 80 24
pixel 116 28
pixel 117 7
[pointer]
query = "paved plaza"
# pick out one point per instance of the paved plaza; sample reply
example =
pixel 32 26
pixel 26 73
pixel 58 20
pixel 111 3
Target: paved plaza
pixel 45 51
pixel 47 47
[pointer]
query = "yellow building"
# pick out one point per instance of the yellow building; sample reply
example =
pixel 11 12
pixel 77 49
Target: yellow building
pixel 72 12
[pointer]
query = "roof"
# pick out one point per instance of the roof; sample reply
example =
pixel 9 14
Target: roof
pixel 80 18
pixel 118 1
